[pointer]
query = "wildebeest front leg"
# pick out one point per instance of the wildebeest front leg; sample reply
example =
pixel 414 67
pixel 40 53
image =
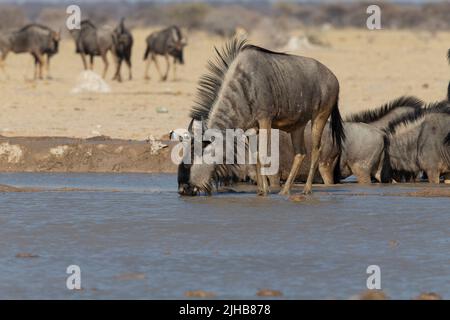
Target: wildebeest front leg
pixel 130 73
pixel 263 188
pixel 174 69
pixel 157 66
pixel 2 63
pixel 164 78
pixel 147 68
pixel 106 63
pixel 83 59
pixel 91 62
pixel 326 171
pixel 317 125
pixel 298 143
pixel 47 67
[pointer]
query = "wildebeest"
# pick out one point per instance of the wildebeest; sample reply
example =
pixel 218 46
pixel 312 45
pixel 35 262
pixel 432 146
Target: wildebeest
pixel 36 39
pixel 421 141
pixel 252 87
pixel 382 116
pixel 362 154
pixel 93 41
pixel 123 43
pixel 167 42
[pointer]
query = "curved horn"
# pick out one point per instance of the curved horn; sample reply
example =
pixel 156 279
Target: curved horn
pixel 190 125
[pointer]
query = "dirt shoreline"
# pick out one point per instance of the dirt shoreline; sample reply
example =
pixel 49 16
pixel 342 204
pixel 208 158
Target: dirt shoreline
pixel 97 154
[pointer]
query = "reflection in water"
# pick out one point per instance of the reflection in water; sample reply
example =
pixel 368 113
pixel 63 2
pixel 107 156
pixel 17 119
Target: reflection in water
pixel 134 237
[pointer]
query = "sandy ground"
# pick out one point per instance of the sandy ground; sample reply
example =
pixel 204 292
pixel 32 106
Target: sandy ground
pixel 372 66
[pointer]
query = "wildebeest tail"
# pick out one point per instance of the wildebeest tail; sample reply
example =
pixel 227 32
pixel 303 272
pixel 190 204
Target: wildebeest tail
pixel 386 169
pixel 446 149
pixel 337 126
pixel 337 175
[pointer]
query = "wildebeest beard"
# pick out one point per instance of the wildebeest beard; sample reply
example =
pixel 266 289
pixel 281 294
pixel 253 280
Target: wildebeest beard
pixel 177 54
pixel 185 188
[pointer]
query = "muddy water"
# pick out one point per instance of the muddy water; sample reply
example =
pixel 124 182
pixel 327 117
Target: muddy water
pixel 134 237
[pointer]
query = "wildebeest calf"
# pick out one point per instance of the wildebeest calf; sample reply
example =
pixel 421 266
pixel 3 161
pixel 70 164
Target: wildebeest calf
pixel 167 42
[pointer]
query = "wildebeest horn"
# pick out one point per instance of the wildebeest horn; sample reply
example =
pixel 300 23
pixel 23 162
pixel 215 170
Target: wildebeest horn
pixel 190 125
pixel 204 127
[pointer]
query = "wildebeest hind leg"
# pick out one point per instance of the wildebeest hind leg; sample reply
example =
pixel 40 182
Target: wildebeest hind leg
pixel 106 63
pixel 326 171
pixel 298 142
pixel 317 125
pixel 164 78
pixel 361 174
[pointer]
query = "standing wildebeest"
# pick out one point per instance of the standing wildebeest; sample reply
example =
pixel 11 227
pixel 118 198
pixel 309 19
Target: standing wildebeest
pixel 250 87
pixel 421 141
pixel 167 42
pixel 36 39
pixel 93 41
pixel 123 42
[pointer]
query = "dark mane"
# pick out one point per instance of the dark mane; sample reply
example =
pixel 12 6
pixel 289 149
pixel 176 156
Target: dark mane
pixel 89 23
pixel 210 83
pixel 31 25
pixel 435 107
pixel 369 116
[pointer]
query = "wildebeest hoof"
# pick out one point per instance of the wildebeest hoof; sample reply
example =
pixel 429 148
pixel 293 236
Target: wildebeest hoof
pixel 307 191
pixel 262 193
pixel 284 192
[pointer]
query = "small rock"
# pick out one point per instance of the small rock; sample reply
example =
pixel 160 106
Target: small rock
pixel 428 296
pixel 199 294
pixel 26 255
pixel 425 86
pixel 297 198
pixel 269 293
pixel 162 110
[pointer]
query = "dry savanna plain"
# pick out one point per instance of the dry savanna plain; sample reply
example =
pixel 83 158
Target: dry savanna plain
pixel 373 67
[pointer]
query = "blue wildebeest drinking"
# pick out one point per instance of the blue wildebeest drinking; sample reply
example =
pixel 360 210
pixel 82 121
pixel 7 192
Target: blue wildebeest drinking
pixel 252 87
pixel 36 39
pixel 123 43
pixel 167 42
pixel 421 141
pixel 93 41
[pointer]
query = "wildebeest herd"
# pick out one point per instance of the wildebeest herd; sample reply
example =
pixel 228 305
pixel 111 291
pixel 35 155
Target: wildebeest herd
pixel 251 87
pixel 91 41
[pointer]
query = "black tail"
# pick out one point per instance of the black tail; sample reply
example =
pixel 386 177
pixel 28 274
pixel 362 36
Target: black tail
pixel 147 52
pixel 337 127
pixel 386 169
pixel 337 175
pixel 448 55
pixel 448 92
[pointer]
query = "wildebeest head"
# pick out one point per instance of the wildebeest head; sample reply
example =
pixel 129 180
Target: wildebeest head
pixel 194 178
pixel 55 37
pixel 177 44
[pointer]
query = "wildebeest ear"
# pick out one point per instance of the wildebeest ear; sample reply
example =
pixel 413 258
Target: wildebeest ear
pixel 190 125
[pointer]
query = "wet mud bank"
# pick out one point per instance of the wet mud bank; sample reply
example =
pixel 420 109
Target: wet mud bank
pixel 97 154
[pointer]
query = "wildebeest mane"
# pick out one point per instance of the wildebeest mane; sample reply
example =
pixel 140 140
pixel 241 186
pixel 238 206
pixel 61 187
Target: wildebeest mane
pixel 88 22
pixel 372 115
pixel 447 139
pixel 435 107
pixel 211 82
pixel 28 26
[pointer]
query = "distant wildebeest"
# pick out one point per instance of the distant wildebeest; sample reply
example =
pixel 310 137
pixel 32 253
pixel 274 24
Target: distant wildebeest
pixel 93 41
pixel 36 39
pixel 421 141
pixel 252 87
pixel 123 43
pixel 167 42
